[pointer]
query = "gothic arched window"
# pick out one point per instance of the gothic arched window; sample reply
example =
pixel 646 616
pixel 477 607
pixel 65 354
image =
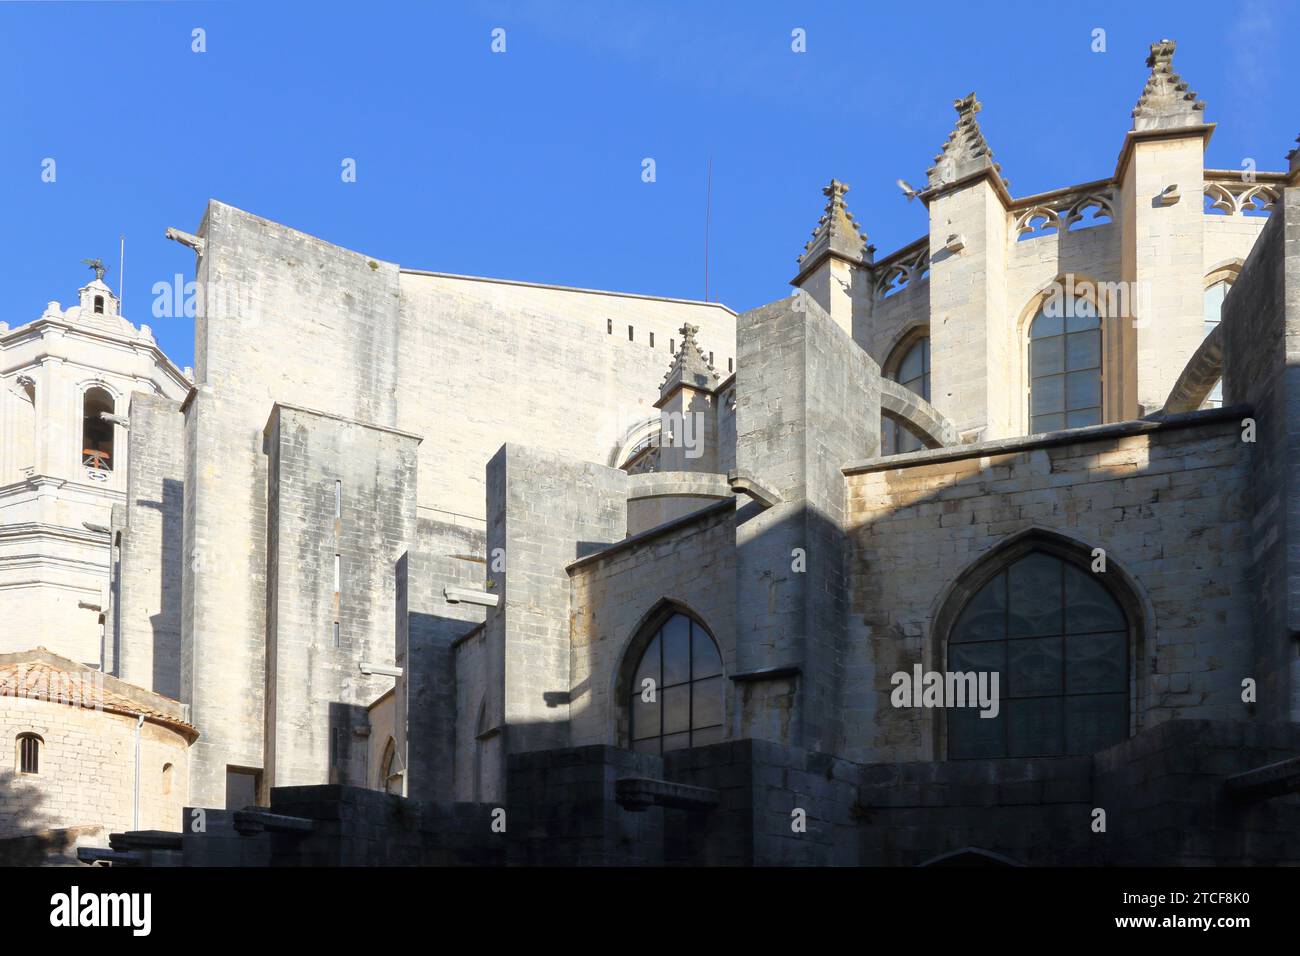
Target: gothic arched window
pixel 1059 642
pixel 1064 365
pixel 1214 297
pixel 675 697
pixel 912 371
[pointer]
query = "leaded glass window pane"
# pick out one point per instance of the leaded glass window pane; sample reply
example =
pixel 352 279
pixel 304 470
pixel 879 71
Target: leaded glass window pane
pixel 1035 586
pixel 1064 366
pixel 970 735
pixel 1033 667
pixel 676 635
pixel 677 708
pixel 705 661
pixel 687 709
pixel 1058 641
pixel 1034 726
pixel 985 615
pixel 706 703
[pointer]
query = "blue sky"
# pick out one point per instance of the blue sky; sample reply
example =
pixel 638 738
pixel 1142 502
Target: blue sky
pixel 527 164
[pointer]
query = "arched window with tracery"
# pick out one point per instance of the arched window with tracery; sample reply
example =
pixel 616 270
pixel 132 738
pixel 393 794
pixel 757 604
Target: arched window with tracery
pixel 1059 641
pixel 675 695
pixel 1064 365
pixel 911 371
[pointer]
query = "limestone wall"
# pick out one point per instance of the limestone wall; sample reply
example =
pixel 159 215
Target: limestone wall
pixel 497 362
pixel 145 623
pixel 428 627
pixel 479 766
pixel 545 512
pixel 807 401
pixel 1260 338
pixel 87 770
pixel 1171 507
pixel 467 364
pixel 341 514
pixel 691 565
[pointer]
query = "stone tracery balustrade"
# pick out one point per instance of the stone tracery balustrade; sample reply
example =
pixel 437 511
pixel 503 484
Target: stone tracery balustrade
pixel 908 265
pixel 1231 194
pixel 1061 209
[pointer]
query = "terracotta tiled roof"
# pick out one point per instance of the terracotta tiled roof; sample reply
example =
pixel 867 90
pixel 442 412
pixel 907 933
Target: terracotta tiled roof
pixel 43 675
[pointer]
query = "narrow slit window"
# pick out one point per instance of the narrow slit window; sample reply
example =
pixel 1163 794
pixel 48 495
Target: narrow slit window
pixel 338 562
pixel 609 326
pixel 652 340
pixel 731 365
pixel 338 642
pixel 631 334
pixel 338 499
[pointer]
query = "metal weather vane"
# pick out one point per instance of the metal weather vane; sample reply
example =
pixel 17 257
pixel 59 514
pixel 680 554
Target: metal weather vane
pixel 98 266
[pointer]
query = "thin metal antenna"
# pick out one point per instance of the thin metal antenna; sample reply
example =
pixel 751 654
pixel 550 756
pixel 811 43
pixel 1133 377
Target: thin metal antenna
pixel 121 273
pixel 708 202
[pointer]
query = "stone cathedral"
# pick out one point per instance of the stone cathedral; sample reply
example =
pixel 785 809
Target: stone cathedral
pixel 979 551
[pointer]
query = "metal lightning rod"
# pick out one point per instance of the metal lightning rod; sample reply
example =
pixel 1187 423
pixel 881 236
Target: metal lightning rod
pixel 708 202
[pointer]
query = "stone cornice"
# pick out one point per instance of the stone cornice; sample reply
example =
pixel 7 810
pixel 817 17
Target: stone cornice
pixel 562 288
pixel 37 328
pixel 277 407
pixel 1023 443
pixel 999 186
pixel 695 517
pixel 1133 137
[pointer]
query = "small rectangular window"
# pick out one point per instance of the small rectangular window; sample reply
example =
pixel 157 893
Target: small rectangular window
pixel 731 365
pixel 672 346
pixel 338 499
pixel 609 326
pixel 710 359
pixel 338 561
pixel 631 336
pixel 652 340
pixel 336 634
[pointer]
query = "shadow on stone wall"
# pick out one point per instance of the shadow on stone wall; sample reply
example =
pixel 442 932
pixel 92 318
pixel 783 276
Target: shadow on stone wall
pixel 26 837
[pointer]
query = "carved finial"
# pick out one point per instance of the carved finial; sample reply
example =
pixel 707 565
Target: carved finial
pixel 1294 157
pixel 967 106
pixel 1161 55
pixel 98 266
pixel 690 366
pixel 1166 102
pixel 837 231
pixel 965 151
